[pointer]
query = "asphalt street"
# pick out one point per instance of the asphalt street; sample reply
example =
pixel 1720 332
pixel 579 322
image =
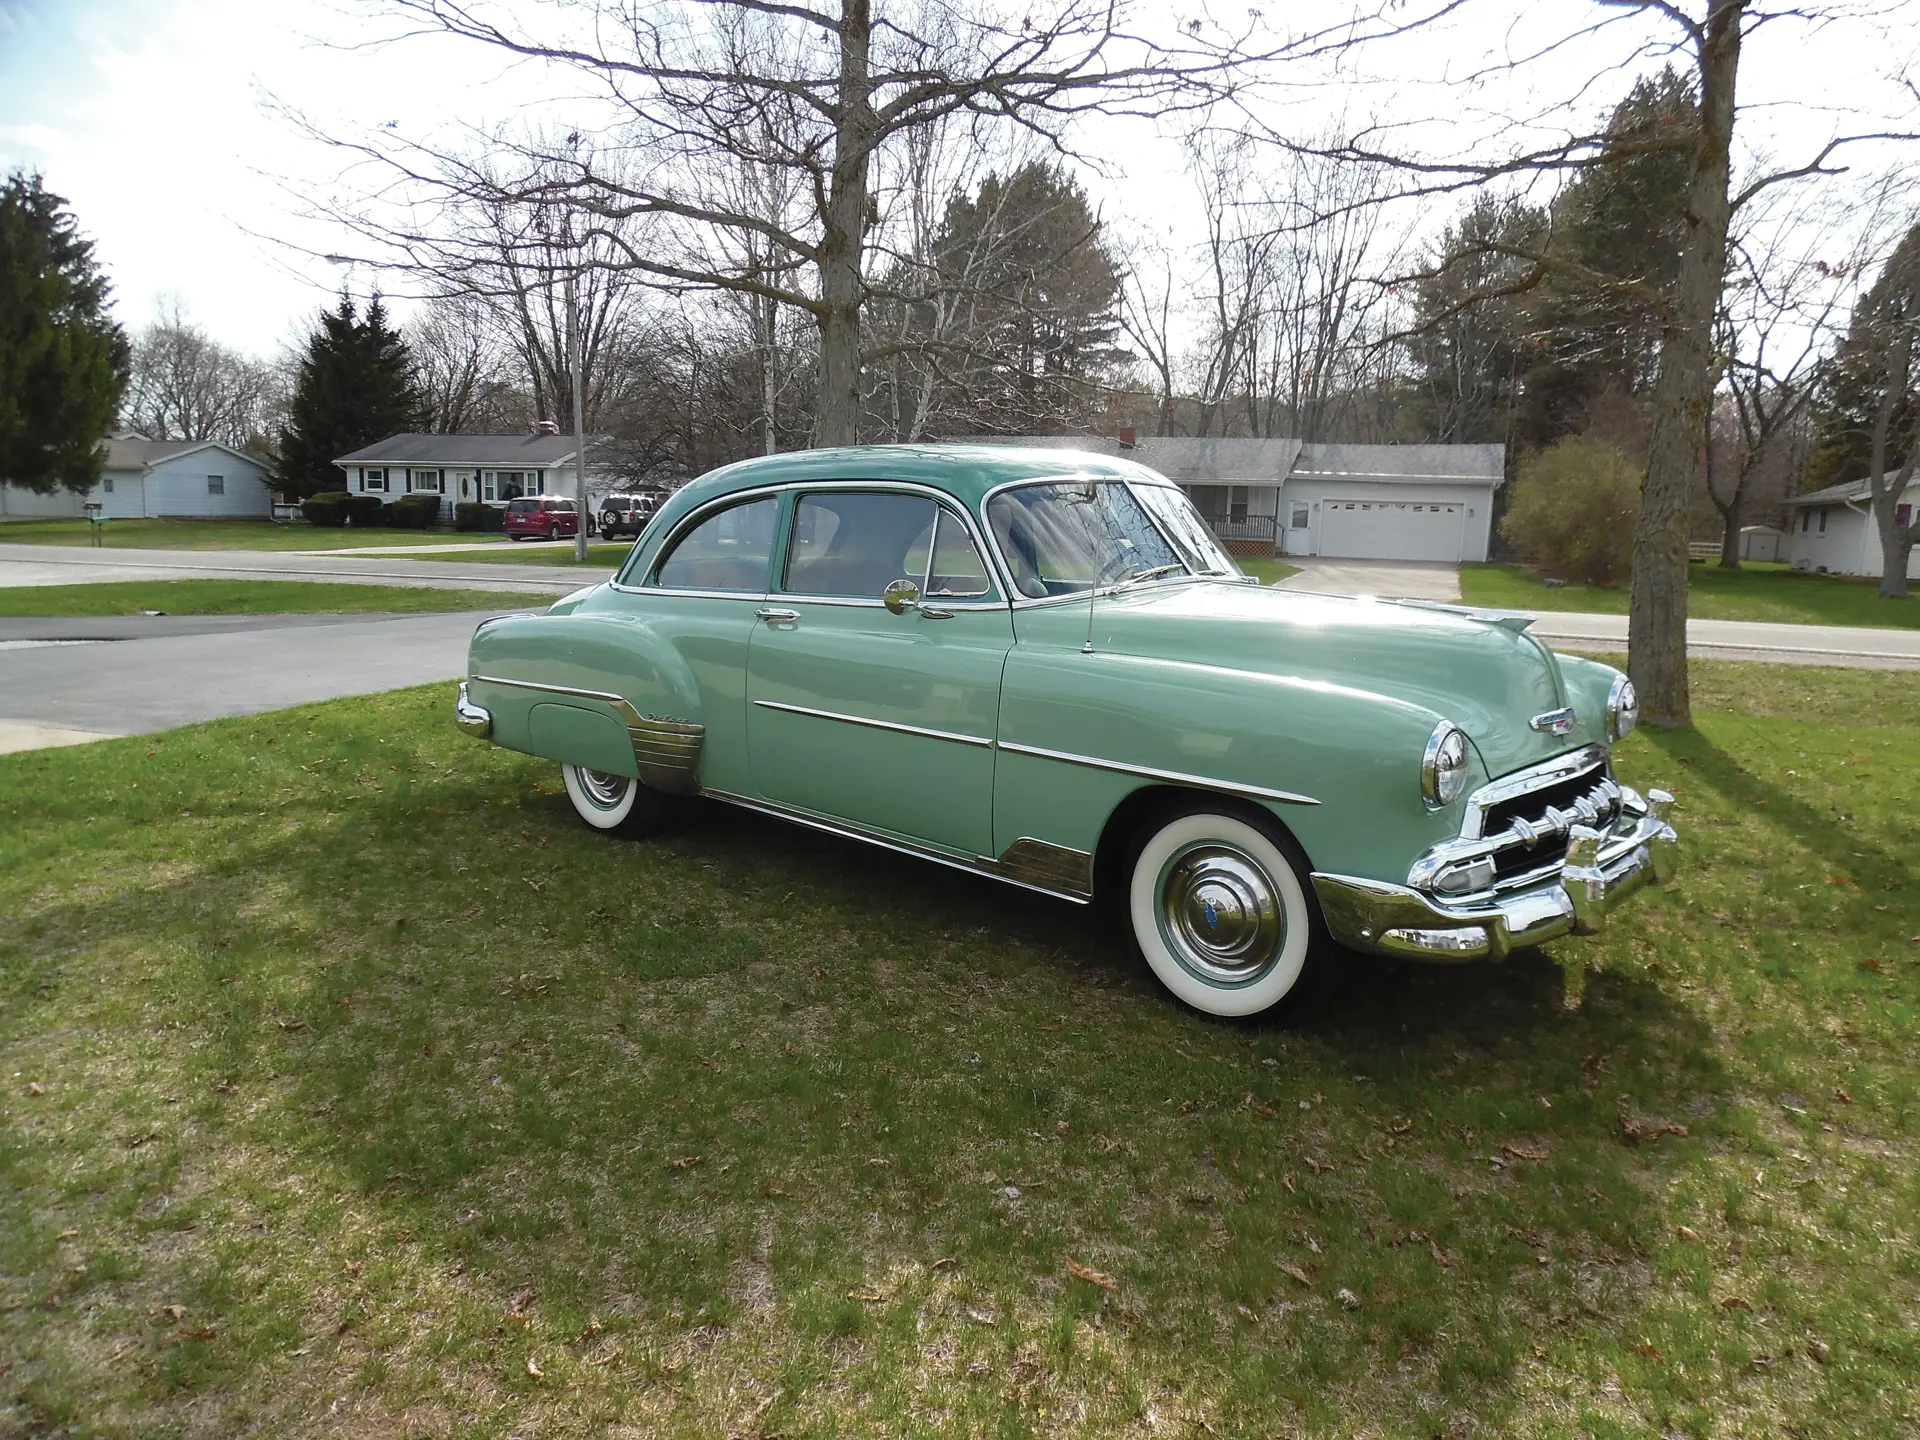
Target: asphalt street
pixel 56 691
pixel 84 565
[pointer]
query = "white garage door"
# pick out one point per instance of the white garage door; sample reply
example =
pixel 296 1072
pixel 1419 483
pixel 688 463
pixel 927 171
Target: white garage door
pixel 1391 530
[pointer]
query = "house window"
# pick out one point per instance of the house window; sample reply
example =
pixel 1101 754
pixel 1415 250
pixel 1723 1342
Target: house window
pixel 506 484
pixel 1299 521
pixel 1237 504
pixel 1902 514
pixel 216 484
pixel 424 480
pixel 1823 521
pixel 106 484
pixel 1806 519
pixel 373 479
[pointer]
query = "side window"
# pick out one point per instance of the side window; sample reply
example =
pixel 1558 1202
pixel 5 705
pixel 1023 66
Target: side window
pixel 727 551
pixel 856 544
pixel 957 571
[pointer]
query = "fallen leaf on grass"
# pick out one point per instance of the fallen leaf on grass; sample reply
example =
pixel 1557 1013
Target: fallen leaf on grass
pixel 1347 1298
pixel 1295 1272
pixel 1522 1152
pixel 198 1332
pixel 134 1142
pixel 1440 1257
pixel 1736 1302
pixel 176 1312
pixel 684 1162
pixel 944 1263
pixel 1633 1132
pixel 356 1267
pixel 1247 1315
pixel 533 1368
pixel 35 1088
pixel 1319 1166
pixel 1840 1094
pixel 1092 1277
pixel 872 1297
pixel 1648 1349
pixel 1686 1233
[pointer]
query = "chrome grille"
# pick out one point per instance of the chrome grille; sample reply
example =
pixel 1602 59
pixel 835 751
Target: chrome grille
pixel 1517 827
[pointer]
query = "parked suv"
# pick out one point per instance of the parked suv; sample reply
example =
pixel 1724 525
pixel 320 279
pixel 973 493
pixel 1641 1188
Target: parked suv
pixel 541 517
pixel 626 514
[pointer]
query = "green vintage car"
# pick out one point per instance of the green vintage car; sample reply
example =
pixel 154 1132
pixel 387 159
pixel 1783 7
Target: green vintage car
pixel 1040 666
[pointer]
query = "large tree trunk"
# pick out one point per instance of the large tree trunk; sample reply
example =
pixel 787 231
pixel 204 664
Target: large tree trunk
pixel 837 421
pixel 1730 537
pixel 1896 544
pixel 1657 623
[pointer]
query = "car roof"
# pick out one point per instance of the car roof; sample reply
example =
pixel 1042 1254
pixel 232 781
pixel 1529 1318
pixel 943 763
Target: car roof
pixel 967 472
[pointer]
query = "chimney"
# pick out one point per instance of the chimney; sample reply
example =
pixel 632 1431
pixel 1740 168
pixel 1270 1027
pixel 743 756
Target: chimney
pixel 545 427
pixel 1127 436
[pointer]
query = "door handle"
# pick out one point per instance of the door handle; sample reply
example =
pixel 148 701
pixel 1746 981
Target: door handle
pixel 775 616
pixel 929 613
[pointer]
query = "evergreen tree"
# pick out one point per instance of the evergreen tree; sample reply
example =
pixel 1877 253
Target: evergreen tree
pixel 356 385
pixel 1853 384
pixel 63 361
pixel 1618 231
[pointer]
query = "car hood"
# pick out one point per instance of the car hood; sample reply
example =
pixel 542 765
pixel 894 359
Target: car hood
pixel 1490 679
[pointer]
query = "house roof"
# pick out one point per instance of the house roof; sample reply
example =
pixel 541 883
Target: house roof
pixel 128 451
pixel 509 450
pixel 1467 464
pixel 1212 460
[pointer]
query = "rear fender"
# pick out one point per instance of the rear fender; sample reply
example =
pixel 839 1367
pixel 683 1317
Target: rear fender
pixel 603 691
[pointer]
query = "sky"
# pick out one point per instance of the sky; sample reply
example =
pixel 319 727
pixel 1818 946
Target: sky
pixel 156 120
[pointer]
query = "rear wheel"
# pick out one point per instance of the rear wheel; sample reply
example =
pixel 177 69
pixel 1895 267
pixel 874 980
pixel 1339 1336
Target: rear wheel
pixel 1221 908
pixel 612 802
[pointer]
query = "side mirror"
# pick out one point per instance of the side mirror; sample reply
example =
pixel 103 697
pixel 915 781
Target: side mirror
pixel 900 596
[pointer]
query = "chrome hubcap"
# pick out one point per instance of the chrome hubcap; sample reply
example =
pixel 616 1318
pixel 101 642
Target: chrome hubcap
pixel 604 791
pixel 1221 914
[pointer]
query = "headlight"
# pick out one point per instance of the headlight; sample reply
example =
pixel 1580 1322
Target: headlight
pixel 1443 769
pixel 1623 709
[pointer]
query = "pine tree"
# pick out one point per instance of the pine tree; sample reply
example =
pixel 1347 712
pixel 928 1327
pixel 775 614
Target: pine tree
pixel 63 361
pixel 356 385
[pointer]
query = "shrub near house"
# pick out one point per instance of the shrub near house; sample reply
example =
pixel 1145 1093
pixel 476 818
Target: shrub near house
pixel 1573 510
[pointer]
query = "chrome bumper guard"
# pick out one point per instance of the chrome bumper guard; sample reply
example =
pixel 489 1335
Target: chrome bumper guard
pixel 474 719
pixel 1602 869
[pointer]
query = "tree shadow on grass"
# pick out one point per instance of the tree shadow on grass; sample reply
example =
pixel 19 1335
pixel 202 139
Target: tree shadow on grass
pixel 718 1081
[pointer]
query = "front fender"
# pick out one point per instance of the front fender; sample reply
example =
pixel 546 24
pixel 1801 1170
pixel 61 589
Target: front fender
pixel 602 690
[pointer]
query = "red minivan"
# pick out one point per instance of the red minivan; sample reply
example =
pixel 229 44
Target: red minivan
pixel 541 517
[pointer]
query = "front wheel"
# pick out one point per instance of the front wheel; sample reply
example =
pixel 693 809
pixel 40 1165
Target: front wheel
pixel 612 802
pixel 1220 907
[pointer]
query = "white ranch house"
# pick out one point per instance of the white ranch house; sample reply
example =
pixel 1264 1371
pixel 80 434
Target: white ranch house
pixel 1289 497
pixel 491 469
pixel 1833 530
pixel 165 479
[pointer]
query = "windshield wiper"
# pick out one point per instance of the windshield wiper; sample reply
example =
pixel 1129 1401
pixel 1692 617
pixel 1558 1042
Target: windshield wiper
pixel 1139 577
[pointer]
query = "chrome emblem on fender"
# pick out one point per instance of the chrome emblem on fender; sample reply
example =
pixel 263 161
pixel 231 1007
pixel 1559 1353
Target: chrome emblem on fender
pixel 1554 722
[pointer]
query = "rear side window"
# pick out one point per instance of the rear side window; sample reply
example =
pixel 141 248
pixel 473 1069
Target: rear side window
pixel 726 551
pixel 522 507
pixel 857 544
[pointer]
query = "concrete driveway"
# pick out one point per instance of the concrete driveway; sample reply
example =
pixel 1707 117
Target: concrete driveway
pixel 66 682
pixel 1388 579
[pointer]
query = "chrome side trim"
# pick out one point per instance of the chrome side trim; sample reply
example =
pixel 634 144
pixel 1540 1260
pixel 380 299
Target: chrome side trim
pixel 1057 869
pixel 983 865
pixel 984 742
pixel 666 752
pixel 1175 777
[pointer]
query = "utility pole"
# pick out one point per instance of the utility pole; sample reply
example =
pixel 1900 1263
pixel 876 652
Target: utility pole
pixel 576 362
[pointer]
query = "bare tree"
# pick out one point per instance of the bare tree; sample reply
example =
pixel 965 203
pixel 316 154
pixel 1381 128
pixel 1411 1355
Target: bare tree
pixel 1709 38
pixel 185 385
pixel 1893 335
pixel 682 87
pixel 464 372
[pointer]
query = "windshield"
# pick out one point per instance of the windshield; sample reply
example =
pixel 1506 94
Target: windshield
pixel 1065 537
pixel 1175 512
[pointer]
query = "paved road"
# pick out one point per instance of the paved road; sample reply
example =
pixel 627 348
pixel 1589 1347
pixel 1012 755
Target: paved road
pixel 83 565
pixel 64 693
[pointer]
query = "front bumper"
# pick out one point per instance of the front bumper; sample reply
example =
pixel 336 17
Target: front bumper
pixel 1601 871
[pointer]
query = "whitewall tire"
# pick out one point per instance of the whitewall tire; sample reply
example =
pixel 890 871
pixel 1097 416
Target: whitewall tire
pixel 1221 913
pixel 606 802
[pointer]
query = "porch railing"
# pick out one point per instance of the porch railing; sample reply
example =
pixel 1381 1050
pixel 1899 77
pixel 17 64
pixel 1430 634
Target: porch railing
pixel 1247 527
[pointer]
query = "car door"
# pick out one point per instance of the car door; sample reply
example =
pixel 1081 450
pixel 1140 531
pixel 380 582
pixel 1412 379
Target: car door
pixel 884 720
pixel 703 592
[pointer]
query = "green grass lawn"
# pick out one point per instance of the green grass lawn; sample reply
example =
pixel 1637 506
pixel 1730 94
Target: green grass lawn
pixel 1753 592
pixel 605 554
pixel 1265 569
pixel 352 1087
pixel 223 535
pixel 250 597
